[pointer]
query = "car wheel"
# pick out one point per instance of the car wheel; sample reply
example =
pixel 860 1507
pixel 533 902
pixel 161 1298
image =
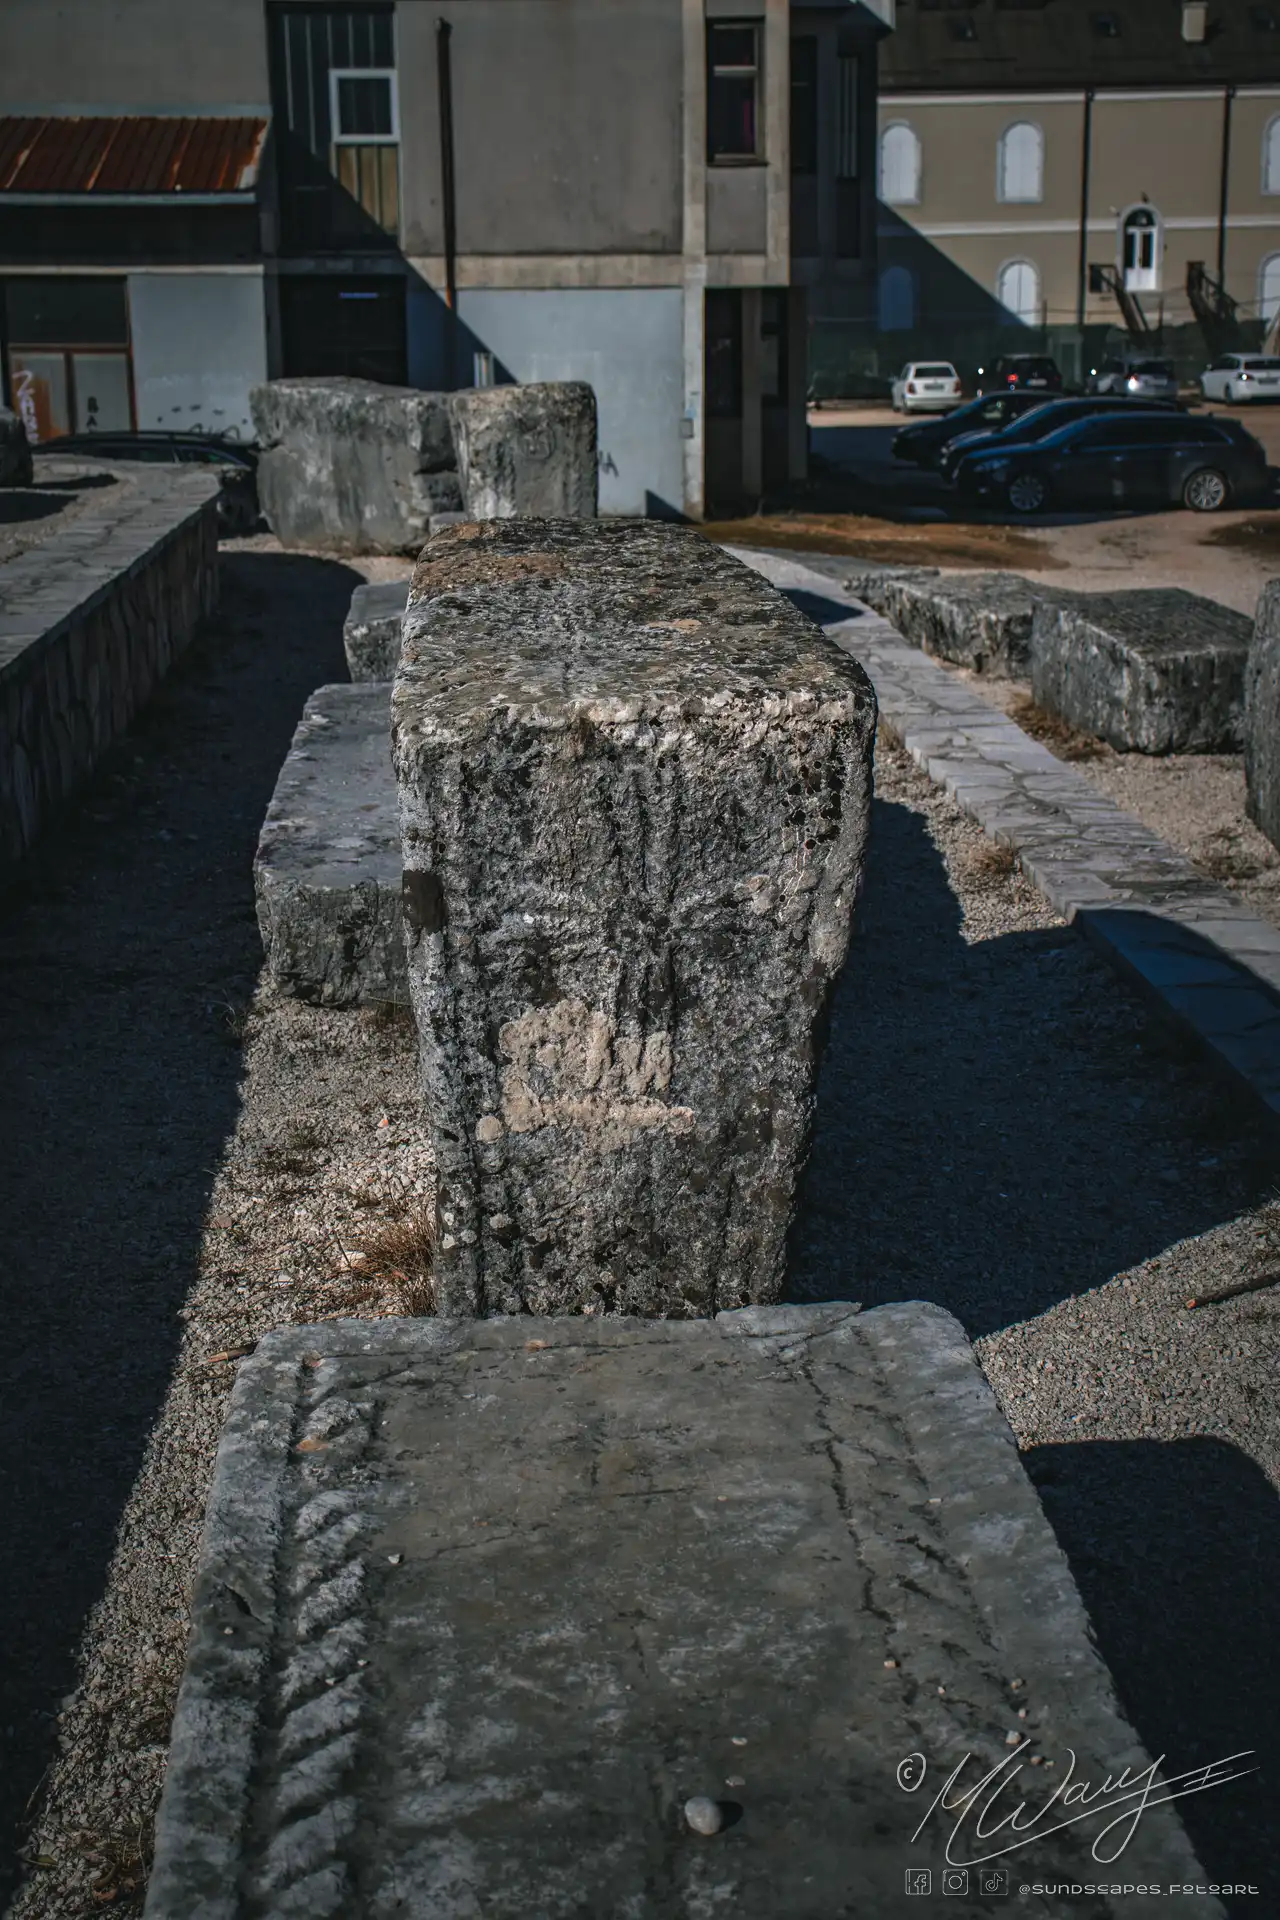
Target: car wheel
pixel 1206 491
pixel 1028 493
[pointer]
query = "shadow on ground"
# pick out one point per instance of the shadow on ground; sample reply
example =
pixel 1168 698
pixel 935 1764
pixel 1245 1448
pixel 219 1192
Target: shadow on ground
pixel 1000 1125
pixel 1176 1551
pixel 126 953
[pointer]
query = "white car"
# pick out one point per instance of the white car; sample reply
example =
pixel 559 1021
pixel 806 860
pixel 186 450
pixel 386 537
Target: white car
pixel 1241 376
pixel 926 386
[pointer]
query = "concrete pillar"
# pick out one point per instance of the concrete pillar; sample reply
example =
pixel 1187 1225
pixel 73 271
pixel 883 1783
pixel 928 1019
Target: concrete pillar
pixel 752 417
pixel 634 786
pixel 693 423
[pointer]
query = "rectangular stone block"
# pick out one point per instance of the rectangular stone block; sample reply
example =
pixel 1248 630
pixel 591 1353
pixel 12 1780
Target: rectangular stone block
pixel 1262 716
pixel 371 631
pixel 1152 670
pixel 527 451
pixel 327 870
pixel 352 466
pixel 634 786
pixel 484 1607
pixel 977 620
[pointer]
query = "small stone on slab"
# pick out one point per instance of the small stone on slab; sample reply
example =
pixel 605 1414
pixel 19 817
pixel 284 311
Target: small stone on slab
pixel 1152 670
pixel 327 872
pixel 371 632
pixel 489 1616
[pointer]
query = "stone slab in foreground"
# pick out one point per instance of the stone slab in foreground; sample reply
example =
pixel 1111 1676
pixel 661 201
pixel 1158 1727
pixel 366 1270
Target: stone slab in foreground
pixel 1262 716
pixel 483 1605
pixel 327 871
pixel 634 789
pixel 353 466
pixel 1152 670
pixel 527 450
pixel 371 631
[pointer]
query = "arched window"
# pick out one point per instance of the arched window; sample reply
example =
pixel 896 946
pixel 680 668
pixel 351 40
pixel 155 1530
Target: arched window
pixel 899 165
pixel 1018 290
pixel 1140 250
pixel 1271 156
pixel 1269 287
pixel 897 300
pixel 1020 163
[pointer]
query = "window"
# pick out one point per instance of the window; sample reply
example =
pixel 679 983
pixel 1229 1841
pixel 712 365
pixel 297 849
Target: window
pixel 897 302
pixel 1020 163
pixel 899 165
pixel 1271 157
pixel 69 355
pixel 1018 291
pixel 333 82
pixel 1269 288
pixel 804 104
pixel 847 117
pixel 733 91
pixel 363 106
pixel 1140 250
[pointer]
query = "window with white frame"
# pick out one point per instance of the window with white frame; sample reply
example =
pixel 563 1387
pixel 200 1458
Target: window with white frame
pixel 1020 163
pixel 1271 156
pixel 1018 290
pixel 363 106
pixel 1269 288
pixel 899 165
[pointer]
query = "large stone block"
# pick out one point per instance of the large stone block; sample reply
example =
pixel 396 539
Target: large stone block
pixel 978 620
pixel 528 451
pixel 15 453
pixel 371 631
pixel 482 1608
pixel 1152 670
pixel 350 466
pixel 327 872
pixel 1262 716
pixel 634 788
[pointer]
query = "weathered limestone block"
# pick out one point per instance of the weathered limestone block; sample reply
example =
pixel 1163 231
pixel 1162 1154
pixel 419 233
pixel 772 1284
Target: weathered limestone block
pixel 351 466
pixel 634 787
pixel 1152 670
pixel 15 453
pixel 327 870
pixel 371 631
pixel 481 1607
pixel 1262 716
pixel 978 620
pixel 527 451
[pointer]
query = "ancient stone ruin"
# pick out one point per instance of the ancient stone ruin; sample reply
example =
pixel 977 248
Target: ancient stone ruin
pixel 634 787
pixel 1262 716
pixel 371 631
pixel 350 466
pixel 978 620
pixel 527 451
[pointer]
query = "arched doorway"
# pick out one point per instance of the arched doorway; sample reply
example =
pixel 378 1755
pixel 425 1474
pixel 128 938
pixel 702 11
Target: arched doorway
pixel 1140 250
pixel 1018 291
pixel 1269 288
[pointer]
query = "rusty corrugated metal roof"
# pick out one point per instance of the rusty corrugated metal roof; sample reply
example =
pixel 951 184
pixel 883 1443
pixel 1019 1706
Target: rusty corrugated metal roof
pixel 131 154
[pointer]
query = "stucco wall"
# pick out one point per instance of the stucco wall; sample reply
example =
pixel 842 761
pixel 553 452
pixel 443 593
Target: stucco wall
pixel 199 345
pixel 133 56
pixel 628 344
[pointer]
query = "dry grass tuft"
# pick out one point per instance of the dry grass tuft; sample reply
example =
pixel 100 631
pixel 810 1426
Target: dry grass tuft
pixel 991 861
pixel 1060 738
pixel 397 1267
pixel 391 1016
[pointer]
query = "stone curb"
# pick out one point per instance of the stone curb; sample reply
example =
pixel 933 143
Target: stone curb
pixel 1195 949
pixel 981 1509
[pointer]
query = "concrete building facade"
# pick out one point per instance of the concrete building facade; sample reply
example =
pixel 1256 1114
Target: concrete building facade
pixel 440 193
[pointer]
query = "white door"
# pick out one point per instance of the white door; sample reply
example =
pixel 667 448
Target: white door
pixel 1141 251
pixel 1018 291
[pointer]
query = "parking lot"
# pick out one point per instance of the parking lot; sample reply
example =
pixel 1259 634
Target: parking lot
pixel 867 504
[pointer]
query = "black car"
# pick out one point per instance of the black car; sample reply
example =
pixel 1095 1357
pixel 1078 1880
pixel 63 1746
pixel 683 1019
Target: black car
pixel 924 443
pixel 1039 421
pixel 238 510
pixel 1132 457
pixel 1014 371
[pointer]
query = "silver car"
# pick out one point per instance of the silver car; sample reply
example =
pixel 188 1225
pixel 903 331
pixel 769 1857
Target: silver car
pixel 1139 379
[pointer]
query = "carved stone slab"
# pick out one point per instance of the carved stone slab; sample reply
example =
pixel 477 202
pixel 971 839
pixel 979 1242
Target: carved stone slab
pixel 527 450
pixel 484 1605
pixel 634 789
pixel 371 630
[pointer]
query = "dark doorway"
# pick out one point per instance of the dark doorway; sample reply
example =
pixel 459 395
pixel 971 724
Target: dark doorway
pixel 338 324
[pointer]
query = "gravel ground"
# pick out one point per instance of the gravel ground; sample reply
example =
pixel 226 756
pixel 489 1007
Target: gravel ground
pixel 191 1161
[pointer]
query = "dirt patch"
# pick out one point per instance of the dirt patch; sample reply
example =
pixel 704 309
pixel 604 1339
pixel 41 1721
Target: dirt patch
pixel 1259 538
pixel 1053 732
pixel 885 543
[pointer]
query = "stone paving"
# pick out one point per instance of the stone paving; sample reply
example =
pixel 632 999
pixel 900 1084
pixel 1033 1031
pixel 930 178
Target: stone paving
pixel 1193 946
pixel 486 1609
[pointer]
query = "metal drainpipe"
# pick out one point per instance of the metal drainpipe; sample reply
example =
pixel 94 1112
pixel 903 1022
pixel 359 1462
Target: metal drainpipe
pixel 1224 186
pixel 444 81
pixel 1086 157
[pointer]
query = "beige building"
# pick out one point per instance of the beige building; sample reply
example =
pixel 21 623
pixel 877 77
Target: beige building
pixel 1037 161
